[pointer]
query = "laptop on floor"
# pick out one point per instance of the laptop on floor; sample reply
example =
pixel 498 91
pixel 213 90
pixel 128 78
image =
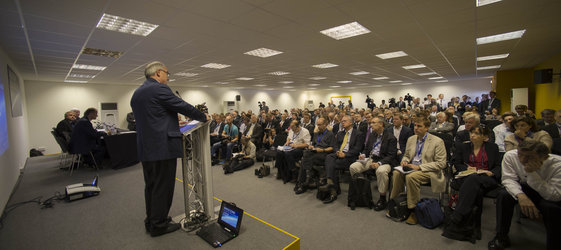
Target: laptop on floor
pixel 225 228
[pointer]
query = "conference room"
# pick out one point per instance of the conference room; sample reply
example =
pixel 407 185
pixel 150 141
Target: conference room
pixel 230 55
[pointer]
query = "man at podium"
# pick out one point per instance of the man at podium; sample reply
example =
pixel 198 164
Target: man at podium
pixel 155 108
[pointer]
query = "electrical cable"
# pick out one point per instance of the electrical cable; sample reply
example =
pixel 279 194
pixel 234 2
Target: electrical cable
pixel 48 203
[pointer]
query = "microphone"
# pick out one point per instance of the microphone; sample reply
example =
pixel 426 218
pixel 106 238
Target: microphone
pixel 177 92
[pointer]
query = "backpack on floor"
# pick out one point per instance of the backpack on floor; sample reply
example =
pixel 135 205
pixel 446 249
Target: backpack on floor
pixel 322 194
pixel 429 213
pixel 462 232
pixel 397 208
pixel 360 193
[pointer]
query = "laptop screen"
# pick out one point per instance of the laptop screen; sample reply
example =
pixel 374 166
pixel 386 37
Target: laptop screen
pixel 230 216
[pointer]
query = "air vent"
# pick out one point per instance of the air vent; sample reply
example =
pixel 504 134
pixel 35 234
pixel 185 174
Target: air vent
pixel 102 52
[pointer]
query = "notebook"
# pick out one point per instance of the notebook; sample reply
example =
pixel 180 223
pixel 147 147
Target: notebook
pixel 225 228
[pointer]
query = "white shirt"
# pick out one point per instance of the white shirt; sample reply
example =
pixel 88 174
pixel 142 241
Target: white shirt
pixel 546 180
pixel 300 137
pixel 501 132
pixel 396 133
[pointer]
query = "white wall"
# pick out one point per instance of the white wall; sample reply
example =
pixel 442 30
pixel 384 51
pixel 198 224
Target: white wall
pixel 14 158
pixel 47 101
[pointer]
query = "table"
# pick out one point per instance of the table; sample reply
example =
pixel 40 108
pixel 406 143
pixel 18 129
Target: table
pixel 122 149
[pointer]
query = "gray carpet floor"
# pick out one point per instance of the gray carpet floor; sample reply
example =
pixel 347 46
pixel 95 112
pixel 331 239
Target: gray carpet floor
pixel 114 219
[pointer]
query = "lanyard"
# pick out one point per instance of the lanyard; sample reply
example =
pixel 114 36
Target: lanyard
pixel 422 143
pixel 378 141
pixel 321 136
pixel 295 135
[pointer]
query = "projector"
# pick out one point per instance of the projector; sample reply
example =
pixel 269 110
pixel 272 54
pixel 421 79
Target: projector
pixel 81 190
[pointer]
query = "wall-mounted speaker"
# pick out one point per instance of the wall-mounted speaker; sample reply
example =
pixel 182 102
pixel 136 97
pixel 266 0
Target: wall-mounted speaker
pixel 238 98
pixel 543 76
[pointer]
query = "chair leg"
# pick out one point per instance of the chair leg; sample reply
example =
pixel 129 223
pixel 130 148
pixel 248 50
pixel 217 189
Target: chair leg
pixel 77 162
pixel 95 163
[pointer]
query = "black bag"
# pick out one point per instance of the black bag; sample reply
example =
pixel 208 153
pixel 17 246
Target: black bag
pixel 34 152
pixel 360 194
pixel 463 232
pixel 397 208
pixel 429 213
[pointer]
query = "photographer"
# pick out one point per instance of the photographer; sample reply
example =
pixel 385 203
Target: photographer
pixel 229 140
pixel 244 159
pixel 370 103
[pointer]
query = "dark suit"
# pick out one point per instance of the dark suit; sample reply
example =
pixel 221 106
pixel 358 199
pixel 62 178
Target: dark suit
pixel 402 140
pixel 332 161
pixel 216 138
pixel 401 105
pixel 155 108
pixel 362 126
pixel 496 104
pixel 85 139
pixel 473 187
pixel 64 129
pixel 388 148
pixel 310 127
pixel 553 131
pixel 131 122
pixel 257 135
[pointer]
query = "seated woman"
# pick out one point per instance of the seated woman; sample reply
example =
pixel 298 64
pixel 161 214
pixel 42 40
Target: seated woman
pixel 525 127
pixel 483 157
pixel 441 125
pixel 245 159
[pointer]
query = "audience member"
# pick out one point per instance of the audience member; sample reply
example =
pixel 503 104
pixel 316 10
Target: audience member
pixel 401 133
pixel 554 130
pixel 548 117
pixel 85 139
pixel 228 141
pixel 298 139
pixel 216 129
pixel 64 128
pixel 381 150
pixel 244 159
pixel 441 125
pixel 348 144
pixel 425 154
pixel 524 128
pixel 321 145
pixel 131 122
pixel 532 177
pixel 502 131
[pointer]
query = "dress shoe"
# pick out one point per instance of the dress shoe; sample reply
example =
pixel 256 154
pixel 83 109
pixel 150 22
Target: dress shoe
pixel 477 233
pixel 168 228
pixel 412 219
pixel 352 204
pixel 381 204
pixel 300 189
pixel 498 243
pixel 330 198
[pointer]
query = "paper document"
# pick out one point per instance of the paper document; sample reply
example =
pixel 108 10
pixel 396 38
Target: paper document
pixel 469 172
pixel 400 169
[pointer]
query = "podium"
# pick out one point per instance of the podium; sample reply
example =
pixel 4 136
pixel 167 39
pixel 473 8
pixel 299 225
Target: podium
pixel 197 172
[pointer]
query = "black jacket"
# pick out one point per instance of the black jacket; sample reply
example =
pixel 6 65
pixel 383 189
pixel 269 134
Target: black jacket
pixel 461 158
pixel 388 148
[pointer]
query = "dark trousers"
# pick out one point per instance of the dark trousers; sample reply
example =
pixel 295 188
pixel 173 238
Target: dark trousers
pixel 309 159
pixel 240 164
pixel 159 180
pixel 332 163
pixel 550 211
pixel 472 190
pixel 286 161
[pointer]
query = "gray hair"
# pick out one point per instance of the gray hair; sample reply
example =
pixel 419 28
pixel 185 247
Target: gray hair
pixel 531 145
pixel 152 68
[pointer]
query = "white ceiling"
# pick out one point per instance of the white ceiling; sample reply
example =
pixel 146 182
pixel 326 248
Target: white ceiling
pixel 438 33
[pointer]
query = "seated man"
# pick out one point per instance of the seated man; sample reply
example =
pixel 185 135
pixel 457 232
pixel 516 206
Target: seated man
pixel 86 139
pixel 64 128
pixel 229 140
pixel 471 120
pixel 314 155
pixel 554 130
pixel 216 129
pixel 401 133
pixel 254 131
pixel 503 130
pixel 381 150
pixel 426 154
pixel 348 144
pixel 532 177
pixel 245 159
pixel 298 139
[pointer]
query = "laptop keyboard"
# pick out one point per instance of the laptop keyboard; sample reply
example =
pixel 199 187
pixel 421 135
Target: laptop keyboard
pixel 216 231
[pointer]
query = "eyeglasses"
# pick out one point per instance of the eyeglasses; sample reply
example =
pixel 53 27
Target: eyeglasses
pixel 167 72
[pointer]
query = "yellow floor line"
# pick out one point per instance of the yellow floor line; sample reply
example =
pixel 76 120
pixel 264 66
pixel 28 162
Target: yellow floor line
pixel 293 245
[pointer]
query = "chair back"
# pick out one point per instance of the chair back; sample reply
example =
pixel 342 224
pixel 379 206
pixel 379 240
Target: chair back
pixel 61 141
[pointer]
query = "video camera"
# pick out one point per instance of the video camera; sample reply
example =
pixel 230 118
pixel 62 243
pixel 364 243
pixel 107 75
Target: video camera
pixel 202 107
pixel 408 98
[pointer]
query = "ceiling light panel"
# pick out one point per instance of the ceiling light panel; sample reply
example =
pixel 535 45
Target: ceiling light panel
pixel 288 87
pixel 486 58
pixel 318 78
pixel 325 65
pixel 279 73
pixel 244 78
pixel 263 52
pixel 381 78
pixel 436 78
pixel 442 81
pixel 396 81
pixel 360 73
pixel 489 67
pixel 125 25
pixel 75 81
pixel 186 74
pixel 344 81
pixel 406 83
pixel 260 85
pixel 286 82
pixel 102 52
pixel 479 3
pixel 88 67
pixel 215 66
pixel 500 37
pixel 81 76
pixel 392 55
pixel 427 73
pixel 335 86
pixel 313 84
pixel 345 31
pixel 416 66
